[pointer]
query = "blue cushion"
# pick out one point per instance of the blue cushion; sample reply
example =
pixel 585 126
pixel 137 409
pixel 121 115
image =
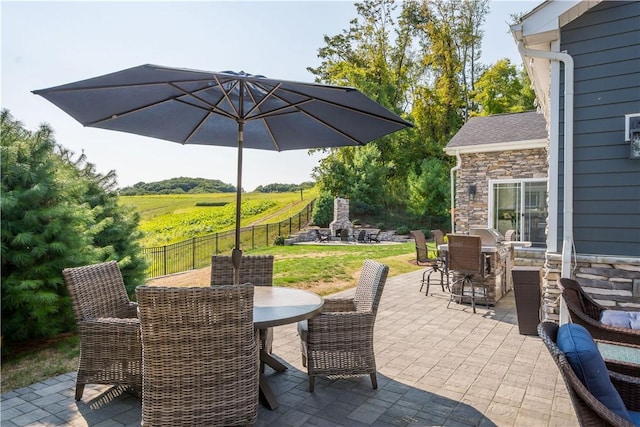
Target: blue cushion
pixel 585 359
pixel 635 417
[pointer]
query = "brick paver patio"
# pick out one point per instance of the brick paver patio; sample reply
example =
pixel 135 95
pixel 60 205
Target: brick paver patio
pixel 436 367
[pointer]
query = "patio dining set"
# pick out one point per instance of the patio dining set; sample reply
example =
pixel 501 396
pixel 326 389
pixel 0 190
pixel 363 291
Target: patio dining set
pixel 197 355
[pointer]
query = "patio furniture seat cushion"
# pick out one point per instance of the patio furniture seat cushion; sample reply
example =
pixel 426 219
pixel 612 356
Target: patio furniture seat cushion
pixel 621 319
pixel 585 359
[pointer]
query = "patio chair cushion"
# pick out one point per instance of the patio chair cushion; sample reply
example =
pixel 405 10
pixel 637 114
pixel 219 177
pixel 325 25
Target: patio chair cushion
pixel 303 329
pixel 621 319
pixel 587 363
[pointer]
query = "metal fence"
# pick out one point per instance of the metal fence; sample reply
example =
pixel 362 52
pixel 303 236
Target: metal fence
pixel 196 252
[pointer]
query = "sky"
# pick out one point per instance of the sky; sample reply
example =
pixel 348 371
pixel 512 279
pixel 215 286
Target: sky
pixel 48 44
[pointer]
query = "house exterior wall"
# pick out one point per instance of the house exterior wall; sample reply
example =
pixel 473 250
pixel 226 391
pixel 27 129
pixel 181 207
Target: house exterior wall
pixel 478 168
pixel 605 46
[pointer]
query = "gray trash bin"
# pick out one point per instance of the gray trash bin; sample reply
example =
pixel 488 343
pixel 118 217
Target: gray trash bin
pixel 526 289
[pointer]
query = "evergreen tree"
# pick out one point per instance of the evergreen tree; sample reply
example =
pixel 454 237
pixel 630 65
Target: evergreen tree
pixel 56 213
pixel 44 230
pixel 115 228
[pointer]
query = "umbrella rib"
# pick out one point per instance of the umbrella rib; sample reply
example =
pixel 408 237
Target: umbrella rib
pixel 337 104
pixel 214 107
pixel 197 128
pixel 226 95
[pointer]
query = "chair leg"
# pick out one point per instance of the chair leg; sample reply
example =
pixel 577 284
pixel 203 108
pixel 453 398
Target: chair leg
pixel 79 391
pixel 473 294
pixel 374 381
pixel 311 384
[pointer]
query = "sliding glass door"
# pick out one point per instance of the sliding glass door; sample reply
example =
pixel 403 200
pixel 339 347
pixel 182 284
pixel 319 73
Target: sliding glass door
pixel 519 205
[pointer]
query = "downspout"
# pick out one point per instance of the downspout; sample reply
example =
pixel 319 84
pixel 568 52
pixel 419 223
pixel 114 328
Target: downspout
pixel 567 217
pixel 453 190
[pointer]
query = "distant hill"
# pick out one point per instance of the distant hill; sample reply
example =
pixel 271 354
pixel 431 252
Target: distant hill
pixel 184 185
pixel 180 185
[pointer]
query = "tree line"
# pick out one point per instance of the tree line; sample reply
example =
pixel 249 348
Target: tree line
pixel 185 185
pixel 421 60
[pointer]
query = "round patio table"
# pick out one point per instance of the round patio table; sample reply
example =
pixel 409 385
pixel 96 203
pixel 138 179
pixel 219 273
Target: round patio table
pixel 275 306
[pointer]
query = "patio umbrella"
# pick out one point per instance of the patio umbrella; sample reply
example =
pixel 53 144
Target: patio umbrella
pixel 226 109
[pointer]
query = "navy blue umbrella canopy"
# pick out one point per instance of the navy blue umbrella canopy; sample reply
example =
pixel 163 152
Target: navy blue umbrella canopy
pixel 226 109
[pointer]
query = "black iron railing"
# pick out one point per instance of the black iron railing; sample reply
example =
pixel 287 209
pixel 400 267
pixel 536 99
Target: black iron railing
pixel 196 252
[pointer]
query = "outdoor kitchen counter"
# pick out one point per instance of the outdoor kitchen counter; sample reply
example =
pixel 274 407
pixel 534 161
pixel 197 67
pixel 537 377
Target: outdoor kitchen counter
pixel 499 261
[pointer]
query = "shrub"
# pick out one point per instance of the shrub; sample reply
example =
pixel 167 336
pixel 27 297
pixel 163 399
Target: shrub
pixel 403 230
pixel 279 241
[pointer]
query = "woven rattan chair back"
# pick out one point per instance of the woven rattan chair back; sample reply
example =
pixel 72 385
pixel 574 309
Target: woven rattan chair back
pixel 465 254
pixel 369 288
pixel 200 356
pixel 97 291
pixel 254 269
pixel 584 310
pixel 339 341
pixel 589 410
pixel 108 327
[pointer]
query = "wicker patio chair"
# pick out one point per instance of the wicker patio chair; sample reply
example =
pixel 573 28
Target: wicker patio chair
pixel 589 410
pixel 430 258
pixel 199 356
pixel 254 269
pixel 466 259
pixel 586 312
pixel 108 327
pixel 362 236
pixel 339 341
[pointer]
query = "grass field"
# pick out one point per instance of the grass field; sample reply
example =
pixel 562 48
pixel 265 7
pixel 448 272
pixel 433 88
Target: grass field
pixel 170 218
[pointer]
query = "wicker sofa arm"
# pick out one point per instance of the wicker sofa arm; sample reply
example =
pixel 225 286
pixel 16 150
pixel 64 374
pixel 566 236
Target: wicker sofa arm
pixel 335 305
pixel 629 389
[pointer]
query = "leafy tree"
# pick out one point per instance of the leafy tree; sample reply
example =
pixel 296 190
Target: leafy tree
pixel 356 173
pixel 502 88
pixel 429 189
pixel 322 214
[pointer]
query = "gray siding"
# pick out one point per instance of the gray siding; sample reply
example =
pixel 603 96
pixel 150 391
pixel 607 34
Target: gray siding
pixel 605 46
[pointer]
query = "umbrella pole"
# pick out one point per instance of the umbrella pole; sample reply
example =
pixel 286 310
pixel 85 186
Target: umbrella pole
pixel 236 254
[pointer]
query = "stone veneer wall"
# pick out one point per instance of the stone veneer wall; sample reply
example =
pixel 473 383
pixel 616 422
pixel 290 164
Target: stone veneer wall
pixel 478 168
pixel 612 281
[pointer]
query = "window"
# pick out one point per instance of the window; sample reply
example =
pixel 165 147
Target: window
pixel 519 205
